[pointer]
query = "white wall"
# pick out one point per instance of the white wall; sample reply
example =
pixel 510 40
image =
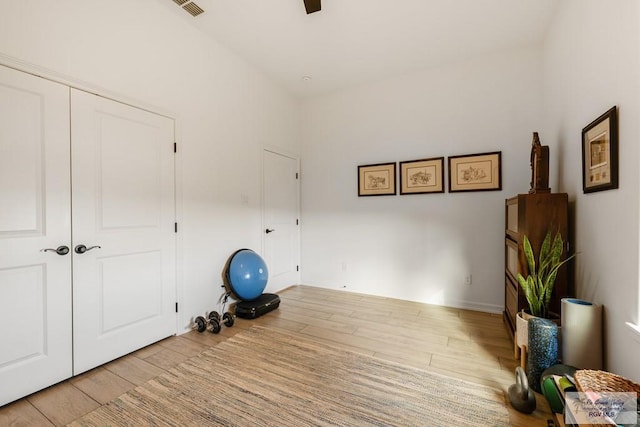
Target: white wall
pixel 592 62
pixel 415 247
pixel 418 247
pixel 225 111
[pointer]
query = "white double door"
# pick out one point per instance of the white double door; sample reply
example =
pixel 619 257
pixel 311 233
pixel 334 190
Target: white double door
pixel 78 170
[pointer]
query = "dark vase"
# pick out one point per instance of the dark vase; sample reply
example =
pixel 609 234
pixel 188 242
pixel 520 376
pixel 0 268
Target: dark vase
pixel 543 349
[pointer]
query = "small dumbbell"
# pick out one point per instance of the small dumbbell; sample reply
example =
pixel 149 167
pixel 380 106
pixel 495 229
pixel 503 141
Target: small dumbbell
pixel 213 315
pixel 227 318
pixel 215 326
pixel 199 324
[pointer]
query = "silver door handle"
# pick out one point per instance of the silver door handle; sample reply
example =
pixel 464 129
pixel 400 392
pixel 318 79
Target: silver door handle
pixel 60 250
pixel 80 249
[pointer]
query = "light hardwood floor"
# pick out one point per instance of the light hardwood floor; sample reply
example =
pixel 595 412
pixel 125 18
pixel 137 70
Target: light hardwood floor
pixel 466 344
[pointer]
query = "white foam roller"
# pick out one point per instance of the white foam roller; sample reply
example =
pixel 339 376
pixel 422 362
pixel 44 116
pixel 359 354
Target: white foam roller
pixel 581 334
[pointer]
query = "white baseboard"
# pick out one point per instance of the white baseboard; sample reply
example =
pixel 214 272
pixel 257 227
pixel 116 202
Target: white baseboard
pixel 465 305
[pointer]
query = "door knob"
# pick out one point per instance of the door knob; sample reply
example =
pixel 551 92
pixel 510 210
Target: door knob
pixel 60 250
pixel 80 249
pixel 269 230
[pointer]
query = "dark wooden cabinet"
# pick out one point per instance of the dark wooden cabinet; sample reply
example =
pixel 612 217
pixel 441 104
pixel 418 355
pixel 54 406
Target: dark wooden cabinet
pixel 532 215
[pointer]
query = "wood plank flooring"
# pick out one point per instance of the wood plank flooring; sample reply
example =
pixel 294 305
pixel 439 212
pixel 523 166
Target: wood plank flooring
pixel 465 344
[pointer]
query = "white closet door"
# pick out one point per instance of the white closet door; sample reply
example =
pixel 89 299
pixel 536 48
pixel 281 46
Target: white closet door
pixel 35 286
pixel 124 291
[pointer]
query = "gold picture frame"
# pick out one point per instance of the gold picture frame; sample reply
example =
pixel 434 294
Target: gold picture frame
pixel 422 176
pixel 377 180
pixel 475 172
pixel 600 153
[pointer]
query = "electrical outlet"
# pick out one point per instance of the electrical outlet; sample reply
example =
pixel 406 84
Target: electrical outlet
pixel 467 280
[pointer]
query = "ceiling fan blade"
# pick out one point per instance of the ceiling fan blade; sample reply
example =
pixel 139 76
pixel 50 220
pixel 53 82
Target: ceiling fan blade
pixel 312 6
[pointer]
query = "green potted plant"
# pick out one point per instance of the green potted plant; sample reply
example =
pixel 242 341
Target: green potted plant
pixel 538 285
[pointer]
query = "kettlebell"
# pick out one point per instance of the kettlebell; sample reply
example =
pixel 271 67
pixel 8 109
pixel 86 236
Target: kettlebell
pixel 520 395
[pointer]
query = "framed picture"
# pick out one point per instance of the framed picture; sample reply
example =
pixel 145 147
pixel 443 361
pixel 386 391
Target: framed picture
pixel 475 172
pixel 422 176
pixel 600 153
pixel 377 180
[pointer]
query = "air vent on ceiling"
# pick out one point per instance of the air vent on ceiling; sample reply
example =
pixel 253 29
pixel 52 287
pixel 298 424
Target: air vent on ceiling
pixel 190 7
pixel 193 9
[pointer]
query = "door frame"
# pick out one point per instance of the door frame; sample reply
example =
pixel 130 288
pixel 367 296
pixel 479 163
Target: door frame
pixel 296 158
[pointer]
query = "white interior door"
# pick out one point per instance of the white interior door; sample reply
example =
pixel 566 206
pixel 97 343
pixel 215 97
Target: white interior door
pixel 35 286
pixel 281 220
pixel 124 290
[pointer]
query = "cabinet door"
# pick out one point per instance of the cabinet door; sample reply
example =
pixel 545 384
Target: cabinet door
pixel 511 217
pixel 35 286
pixel 511 301
pixel 511 259
pixel 124 290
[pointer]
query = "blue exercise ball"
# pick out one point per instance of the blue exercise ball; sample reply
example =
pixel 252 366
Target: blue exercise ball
pixel 246 274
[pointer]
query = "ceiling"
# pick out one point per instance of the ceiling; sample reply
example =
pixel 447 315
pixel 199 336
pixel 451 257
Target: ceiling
pixel 352 42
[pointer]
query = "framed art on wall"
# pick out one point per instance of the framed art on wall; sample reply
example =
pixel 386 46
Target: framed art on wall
pixel 422 176
pixel 600 153
pixel 377 180
pixel 475 172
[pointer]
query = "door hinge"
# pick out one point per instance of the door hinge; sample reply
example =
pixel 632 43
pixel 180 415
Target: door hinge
pixel 175 147
pixel 176 307
pixel 297 268
pixel 297 175
pixel 175 226
pixel 297 221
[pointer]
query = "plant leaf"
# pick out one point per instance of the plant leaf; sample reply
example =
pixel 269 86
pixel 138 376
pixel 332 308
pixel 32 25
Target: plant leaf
pixel 528 291
pixel 556 249
pixel 545 257
pixel 535 296
pixel 538 285
pixel 528 253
